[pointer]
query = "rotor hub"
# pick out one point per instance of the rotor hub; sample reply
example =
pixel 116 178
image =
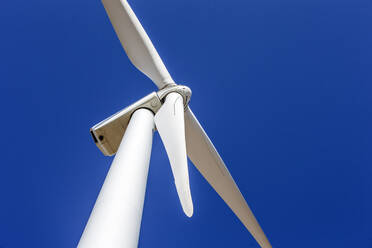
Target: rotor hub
pixel 183 90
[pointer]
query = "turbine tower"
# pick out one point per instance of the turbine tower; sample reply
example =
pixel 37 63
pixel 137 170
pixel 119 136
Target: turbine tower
pixel 116 217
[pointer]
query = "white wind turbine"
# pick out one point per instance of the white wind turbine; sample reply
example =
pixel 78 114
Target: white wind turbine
pixel 116 217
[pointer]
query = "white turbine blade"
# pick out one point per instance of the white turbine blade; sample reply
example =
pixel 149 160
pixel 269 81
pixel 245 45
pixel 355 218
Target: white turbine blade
pixel 136 43
pixel 207 160
pixel 169 121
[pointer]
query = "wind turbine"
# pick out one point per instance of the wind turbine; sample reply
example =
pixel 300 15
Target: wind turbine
pixel 116 217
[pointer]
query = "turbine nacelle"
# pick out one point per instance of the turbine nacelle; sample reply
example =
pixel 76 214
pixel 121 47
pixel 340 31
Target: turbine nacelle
pixel 108 133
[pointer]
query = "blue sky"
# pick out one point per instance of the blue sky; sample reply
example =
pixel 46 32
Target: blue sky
pixel 283 88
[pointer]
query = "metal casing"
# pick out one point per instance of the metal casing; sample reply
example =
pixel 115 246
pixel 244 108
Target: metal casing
pixel 108 133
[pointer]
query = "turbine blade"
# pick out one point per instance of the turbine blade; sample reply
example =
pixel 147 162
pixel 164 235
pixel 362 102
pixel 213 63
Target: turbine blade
pixel 169 121
pixel 207 160
pixel 136 43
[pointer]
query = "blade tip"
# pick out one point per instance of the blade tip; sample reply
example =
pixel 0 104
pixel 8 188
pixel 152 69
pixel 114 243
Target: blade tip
pixel 189 214
pixel 189 211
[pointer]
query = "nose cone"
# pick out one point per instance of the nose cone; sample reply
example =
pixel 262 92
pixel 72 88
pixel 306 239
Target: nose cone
pixel 187 92
pixel 180 89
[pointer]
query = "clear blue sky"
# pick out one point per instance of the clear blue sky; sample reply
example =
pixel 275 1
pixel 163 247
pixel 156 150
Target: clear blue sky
pixel 283 88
